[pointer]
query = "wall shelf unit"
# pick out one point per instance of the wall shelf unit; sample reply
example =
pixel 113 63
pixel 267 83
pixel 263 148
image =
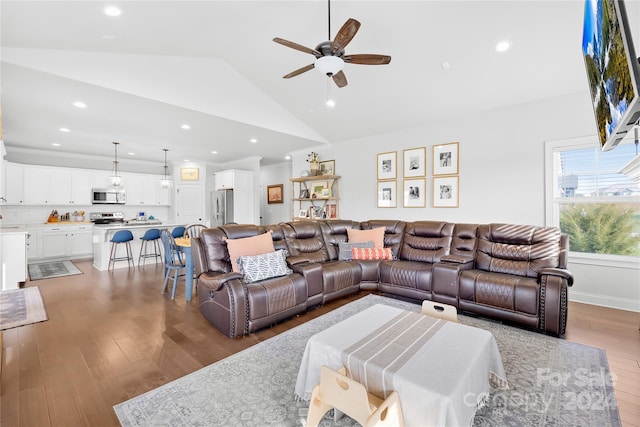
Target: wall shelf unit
pixel 316 196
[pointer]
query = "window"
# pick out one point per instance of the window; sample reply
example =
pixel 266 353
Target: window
pixel 594 196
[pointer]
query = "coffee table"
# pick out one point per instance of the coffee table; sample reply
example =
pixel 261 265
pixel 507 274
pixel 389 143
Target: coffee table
pixel 441 370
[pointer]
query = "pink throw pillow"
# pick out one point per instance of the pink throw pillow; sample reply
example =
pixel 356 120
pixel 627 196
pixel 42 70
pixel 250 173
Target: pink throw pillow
pixel 371 253
pixel 375 235
pixel 249 246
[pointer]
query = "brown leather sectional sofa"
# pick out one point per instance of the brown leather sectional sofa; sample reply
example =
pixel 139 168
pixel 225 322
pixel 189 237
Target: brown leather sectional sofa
pixel 513 273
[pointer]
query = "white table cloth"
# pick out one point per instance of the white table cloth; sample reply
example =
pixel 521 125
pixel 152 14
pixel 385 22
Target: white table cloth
pixel 440 382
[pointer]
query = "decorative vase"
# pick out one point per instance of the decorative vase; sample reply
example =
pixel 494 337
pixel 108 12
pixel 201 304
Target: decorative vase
pixel 314 168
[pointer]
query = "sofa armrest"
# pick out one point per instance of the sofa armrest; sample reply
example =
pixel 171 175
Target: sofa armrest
pixel 312 273
pixel 457 259
pixel 560 272
pixel 215 281
pixel 295 260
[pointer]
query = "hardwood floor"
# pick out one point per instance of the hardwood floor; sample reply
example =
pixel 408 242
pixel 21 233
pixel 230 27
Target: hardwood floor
pixel 112 336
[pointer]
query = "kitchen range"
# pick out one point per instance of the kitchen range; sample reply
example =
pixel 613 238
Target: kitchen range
pixel 114 218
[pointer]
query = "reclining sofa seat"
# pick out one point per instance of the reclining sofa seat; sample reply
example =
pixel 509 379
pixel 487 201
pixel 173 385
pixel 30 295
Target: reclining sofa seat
pixel 424 243
pixel 519 276
pixel 226 301
pixel 312 256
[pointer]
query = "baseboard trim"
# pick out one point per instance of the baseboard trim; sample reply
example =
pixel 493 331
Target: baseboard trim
pixel 605 301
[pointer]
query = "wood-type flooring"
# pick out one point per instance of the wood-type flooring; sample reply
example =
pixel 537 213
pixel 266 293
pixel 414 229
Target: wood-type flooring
pixel 112 335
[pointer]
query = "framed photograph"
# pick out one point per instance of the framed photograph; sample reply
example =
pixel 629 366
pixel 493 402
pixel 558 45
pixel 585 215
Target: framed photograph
pixel 445 159
pixel 274 193
pixel 304 193
pixel 189 174
pixel 328 167
pixel 317 187
pixel 302 213
pixel 446 192
pixel 331 211
pixel 326 192
pixel 387 165
pixel 414 193
pixel 387 197
pixel 414 162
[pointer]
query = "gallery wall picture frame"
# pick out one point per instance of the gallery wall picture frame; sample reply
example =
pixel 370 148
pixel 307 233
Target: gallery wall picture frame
pixel 414 192
pixel 414 162
pixel 387 194
pixel 328 167
pixel 275 193
pixel 446 158
pixel 387 165
pixel 446 192
pixel 189 174
pixel 302 213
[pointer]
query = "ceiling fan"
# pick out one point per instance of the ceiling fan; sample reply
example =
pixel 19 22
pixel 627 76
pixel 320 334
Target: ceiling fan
pixel 330 55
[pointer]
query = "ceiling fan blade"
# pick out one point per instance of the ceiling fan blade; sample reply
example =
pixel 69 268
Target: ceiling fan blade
pixel 340 79
pixel 299 71
pixel 297 46
pixel 345 34
pixel 367 59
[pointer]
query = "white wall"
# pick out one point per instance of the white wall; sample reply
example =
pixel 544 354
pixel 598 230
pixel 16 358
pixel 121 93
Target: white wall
pixel 271 175
pixel 501 178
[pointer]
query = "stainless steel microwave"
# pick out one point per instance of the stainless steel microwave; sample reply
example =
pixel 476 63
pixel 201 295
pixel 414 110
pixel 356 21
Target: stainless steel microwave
pixel 108 196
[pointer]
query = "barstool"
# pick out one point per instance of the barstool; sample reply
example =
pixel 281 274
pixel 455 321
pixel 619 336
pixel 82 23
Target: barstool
pixel 121 236
pixel 151 235
pixel 177 232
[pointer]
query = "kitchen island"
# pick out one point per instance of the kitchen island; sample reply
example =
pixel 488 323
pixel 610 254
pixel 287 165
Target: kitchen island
pixel 103 233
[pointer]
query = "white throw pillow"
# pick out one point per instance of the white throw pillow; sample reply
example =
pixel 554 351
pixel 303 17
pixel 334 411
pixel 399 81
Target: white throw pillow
pixel 263 266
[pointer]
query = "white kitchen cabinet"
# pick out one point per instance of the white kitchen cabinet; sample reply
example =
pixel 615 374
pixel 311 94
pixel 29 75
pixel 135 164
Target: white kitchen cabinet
pixel 57 186
pixel 34 245
pixel 67 241
pixel 13 247
pixel 13 192
pixel 145 190
pixel 36 185
pixel 81 185
pixel 225 179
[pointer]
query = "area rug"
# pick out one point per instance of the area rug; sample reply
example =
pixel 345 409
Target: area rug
pixel 551 382
pixel 19 307
pixel 48 270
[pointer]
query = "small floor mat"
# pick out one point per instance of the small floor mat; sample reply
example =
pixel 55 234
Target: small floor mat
pixel 48 270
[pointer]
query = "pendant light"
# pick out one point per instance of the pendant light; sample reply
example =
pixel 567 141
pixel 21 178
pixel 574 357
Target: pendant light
pixel 115 178
pixel 165 182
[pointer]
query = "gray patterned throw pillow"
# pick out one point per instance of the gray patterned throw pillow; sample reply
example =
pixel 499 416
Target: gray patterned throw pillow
pixel 265 266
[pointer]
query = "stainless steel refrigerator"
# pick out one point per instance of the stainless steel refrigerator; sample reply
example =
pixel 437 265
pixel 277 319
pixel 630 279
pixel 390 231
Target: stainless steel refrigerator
pixel 222 209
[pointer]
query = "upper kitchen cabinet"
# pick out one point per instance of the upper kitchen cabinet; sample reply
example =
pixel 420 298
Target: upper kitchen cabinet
pixel 56 186
pixel 145 190
pixel 13 184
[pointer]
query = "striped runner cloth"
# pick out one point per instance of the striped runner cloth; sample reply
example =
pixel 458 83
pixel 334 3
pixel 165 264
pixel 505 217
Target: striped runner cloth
pixel 373 360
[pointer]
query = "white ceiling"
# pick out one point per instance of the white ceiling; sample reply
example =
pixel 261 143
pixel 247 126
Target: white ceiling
pixel 213 65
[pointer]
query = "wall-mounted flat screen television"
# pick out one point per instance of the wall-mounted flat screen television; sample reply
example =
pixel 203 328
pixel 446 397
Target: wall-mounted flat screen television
pixel 613 69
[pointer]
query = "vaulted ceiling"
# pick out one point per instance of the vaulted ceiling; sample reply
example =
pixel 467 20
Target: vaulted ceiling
pixel 213 65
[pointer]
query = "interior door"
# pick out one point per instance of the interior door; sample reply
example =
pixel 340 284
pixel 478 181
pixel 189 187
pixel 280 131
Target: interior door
pixel 190 204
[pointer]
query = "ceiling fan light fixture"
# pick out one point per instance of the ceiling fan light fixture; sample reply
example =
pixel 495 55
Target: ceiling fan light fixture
pixel 329 65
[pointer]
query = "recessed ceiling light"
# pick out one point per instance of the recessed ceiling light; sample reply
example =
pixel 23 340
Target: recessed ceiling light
pixel 79 104
pixel 331 103
pixel 186 160
pixel 55 144
pixel 185 126
pixel 503 46
pixel 112 11
pixel 108 37
pixel 64 130
pixel 131 154
pixel 446 65
pixel 287 157
pixel 253 140
pixel 214 152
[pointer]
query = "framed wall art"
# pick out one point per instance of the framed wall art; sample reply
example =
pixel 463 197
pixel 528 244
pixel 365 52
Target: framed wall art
pixel 414 162
pixel 414 193
pixel 446 159
pixel 328 167
pixel 387 165
pixel 446 192
pixel 317 187
pixel 387 197
pixel 274 193
pixel 189 174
